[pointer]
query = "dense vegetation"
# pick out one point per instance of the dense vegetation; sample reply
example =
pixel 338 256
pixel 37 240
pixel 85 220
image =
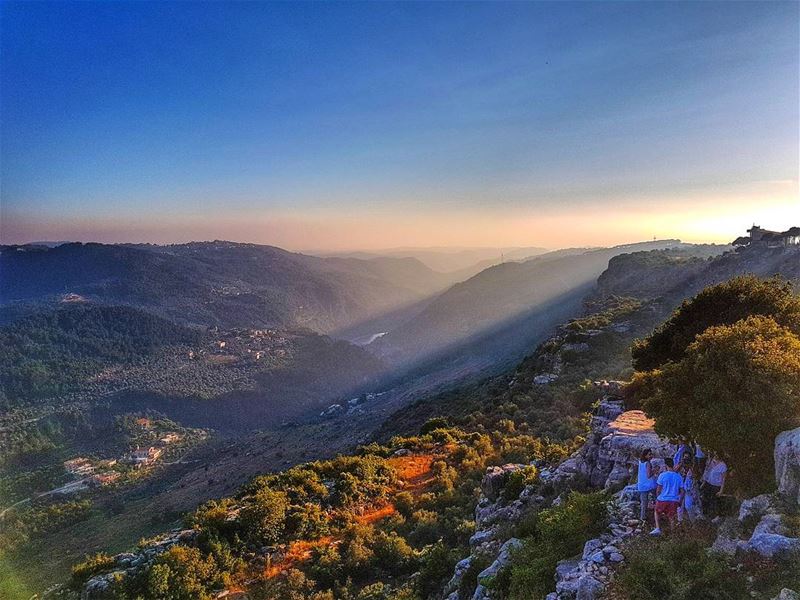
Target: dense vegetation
pixel 51 353
pixel 554 534
pixel 726 373
pixel 722 304
pixel 365 522
pixel 678 568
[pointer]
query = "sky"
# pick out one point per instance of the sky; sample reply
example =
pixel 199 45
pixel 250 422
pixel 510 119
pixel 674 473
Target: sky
pixel 341 126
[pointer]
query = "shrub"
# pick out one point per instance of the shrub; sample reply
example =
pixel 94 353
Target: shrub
pixel 404 503
pixel 181 573
pixel 433 424
pixel 437 567
pixel 518 480
pixel 559 533
pixel 392 553
pixel 90 567
pixel 677 568
pixel 263 518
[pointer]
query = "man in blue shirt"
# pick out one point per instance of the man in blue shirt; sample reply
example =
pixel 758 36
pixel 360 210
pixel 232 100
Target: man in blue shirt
pixel 669 495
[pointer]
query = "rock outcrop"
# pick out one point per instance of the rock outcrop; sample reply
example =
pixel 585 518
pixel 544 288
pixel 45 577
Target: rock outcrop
pixel 762 526
pixel 787 464
pixel 586 577
pixel 609 458
pixel 129 563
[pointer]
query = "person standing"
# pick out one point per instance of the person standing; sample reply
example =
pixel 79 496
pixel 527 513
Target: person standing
pixel 691 501
pixel 677 459
pixel 699 458
pixel 645 482
pixel 713 486
pixel 669 496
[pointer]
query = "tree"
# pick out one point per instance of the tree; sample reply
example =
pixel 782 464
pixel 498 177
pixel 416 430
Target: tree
pixel 263 518
pixel 181 573
pixel 722 304
pixel 735 389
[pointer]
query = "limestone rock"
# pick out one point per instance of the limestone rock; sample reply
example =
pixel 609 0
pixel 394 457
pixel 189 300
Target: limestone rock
pixel 787 464
pixel 756 507
pixel 458 574
pixel 773 545
pixel 589 588
pixel 501 561
pixel 495 480
pixel 591 547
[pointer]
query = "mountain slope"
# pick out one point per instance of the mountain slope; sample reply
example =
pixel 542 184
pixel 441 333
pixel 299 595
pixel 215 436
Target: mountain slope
pixel 218 283
pixel 502 296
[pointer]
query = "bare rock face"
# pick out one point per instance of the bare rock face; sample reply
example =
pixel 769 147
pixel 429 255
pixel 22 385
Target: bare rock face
pixel 609 458
pixel 495 480
pixel 787 464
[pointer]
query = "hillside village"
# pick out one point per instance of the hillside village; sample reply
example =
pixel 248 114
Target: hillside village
pixel 150 440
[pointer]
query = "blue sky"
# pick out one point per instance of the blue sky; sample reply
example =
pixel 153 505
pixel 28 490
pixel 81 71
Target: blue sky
pixel 317 125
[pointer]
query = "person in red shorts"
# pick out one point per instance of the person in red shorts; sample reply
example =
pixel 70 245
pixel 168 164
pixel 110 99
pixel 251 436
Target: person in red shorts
pixel 669 495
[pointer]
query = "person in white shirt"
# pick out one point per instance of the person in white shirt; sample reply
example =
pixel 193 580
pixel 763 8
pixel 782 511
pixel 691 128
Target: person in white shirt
pixel 645 482
pixel 713 486
pixel 669 496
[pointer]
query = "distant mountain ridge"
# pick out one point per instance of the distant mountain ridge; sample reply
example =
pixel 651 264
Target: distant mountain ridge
pixel 504 297
pixel 460 263
pixel 218 283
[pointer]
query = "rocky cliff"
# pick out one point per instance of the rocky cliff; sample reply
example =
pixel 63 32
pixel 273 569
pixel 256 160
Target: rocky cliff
pixel 606 461
pixel 766 525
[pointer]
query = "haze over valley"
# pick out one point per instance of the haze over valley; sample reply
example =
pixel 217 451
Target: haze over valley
pixel 399 301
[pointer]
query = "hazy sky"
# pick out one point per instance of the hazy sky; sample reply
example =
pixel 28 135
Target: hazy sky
pixel 369 125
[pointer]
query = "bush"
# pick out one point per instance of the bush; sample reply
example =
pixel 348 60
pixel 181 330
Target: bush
pixel 392 553
pixel 263 518
pixel 559 533
pixel 677 568
pixel 90 567
pixel 434 424
pixel 437 567
pixel 182 573
pixel 518 480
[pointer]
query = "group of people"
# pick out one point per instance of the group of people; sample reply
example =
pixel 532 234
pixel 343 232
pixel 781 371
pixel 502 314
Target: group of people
pixel 686 487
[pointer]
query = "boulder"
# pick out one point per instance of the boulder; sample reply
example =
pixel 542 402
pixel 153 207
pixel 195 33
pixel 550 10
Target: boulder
pixel 589 588
pixel 591 547
pixel 755 508
pixel 770 524
pixel 727 541
pixel 773 545
pixel 458 574
pixel 787 594
pixel 545 378
pixel 787 464
pixel 495 480
pixel 489 573
pixel 565 567
pixel 482 536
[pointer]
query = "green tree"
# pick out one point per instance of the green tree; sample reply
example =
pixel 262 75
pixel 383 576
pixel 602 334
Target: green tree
pixel 263 518
pixel 722 304
pixel 181 573
pixel 736 388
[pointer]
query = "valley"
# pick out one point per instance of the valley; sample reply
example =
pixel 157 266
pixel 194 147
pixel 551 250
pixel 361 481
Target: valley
pixel 266 399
